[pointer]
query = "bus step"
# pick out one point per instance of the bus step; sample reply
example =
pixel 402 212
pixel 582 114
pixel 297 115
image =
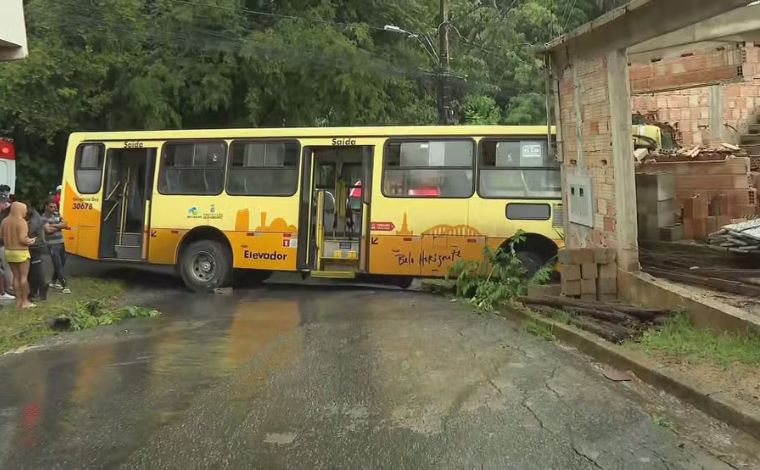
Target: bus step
pixel 130 239
pixel 128 252
pixel 333 274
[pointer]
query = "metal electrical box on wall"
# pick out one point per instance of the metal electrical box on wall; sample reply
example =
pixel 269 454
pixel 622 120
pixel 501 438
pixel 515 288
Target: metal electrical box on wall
pixel 580 200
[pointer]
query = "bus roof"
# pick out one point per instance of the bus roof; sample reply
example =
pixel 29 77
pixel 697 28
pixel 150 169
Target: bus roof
pixel 316 132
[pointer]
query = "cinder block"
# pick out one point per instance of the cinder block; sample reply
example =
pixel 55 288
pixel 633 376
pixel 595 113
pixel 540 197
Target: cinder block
pixel 711 225
pixel 571 288
pixel 604 255
pixel 605 286
pixel 607 298
pixel 589 271
pixel 608 271
pixel 671 234
pixel 588 286
pixel 582 255
pixel 570 272
pixel 723 220
pixel 695 208
pixel 551 290
pixel 563 256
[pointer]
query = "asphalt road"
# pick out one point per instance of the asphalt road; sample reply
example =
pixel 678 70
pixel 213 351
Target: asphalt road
pixel 315 377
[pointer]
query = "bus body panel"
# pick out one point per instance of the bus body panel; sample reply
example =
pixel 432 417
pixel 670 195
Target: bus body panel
pixel 408 236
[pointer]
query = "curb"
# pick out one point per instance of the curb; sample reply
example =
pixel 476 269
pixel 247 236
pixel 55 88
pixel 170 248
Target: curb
pixel 724 409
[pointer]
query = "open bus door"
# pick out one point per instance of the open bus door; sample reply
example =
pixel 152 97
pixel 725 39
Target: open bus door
pixel 335 209
pixel 125 226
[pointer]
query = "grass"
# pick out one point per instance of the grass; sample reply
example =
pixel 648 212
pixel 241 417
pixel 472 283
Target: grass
pixel 679 338
pixel 539 329
pixel 24 327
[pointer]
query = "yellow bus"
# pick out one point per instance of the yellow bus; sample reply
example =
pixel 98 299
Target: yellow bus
pixel 384 203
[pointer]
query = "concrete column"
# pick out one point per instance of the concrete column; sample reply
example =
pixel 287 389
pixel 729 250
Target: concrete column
pixel 626 226
pixel 716 114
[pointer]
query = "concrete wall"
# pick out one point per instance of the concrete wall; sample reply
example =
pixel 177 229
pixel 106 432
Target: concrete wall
pixel 720 112
pixel 12 30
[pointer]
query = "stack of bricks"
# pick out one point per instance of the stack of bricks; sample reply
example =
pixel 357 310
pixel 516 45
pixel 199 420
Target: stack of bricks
pixel 657 207
pixel 589 273
pixel 711 194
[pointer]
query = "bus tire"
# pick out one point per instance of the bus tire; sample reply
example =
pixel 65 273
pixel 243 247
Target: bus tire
pixel 404 282
pixel 205 265
pixel 531 261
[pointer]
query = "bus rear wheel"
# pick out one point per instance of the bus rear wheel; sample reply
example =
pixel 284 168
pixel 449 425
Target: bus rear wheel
pixel 205 265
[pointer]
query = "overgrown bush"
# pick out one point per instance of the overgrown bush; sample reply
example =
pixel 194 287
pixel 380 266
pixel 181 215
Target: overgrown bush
pixel 499 277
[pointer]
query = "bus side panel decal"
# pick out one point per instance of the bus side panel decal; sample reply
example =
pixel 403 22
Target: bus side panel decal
pixel 395 254
pixel 261 250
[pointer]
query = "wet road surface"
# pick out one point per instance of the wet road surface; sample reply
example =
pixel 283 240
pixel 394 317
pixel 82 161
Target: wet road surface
pixel 304 377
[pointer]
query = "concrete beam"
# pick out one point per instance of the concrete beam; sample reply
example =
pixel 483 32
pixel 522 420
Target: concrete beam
pixel 647 57
pixel 634 23
pixel 733 24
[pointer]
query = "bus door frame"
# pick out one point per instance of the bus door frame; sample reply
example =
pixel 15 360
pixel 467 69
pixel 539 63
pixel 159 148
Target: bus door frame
pixel 307 194
pixel 151 153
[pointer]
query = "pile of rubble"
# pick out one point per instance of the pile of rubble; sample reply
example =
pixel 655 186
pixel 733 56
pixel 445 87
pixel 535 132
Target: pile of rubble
pixel 698 153
pixel 743 237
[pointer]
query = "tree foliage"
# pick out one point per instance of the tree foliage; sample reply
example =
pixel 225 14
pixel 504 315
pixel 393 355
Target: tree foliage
pixel 151 64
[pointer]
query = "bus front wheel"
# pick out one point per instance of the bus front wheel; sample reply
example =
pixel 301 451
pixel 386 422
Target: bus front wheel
pixel 205 265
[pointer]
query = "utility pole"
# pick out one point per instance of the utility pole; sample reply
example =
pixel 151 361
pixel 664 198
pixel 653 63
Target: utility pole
pixel 445 113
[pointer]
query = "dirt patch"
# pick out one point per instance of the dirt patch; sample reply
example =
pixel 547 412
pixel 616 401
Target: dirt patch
pixel 737 381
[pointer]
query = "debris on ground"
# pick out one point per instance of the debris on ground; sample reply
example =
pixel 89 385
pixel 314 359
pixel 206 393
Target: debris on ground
pixel 706 266
pixel 740 238
pixel 615 322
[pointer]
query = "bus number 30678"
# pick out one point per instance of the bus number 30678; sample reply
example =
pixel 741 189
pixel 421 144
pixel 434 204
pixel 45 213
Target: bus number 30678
pixel 82 206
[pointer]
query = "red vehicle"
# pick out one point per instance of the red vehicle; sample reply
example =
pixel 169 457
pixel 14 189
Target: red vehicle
pixel 8 163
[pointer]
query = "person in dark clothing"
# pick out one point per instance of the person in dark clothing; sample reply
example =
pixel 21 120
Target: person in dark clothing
pixel 54 226
pixel 37 284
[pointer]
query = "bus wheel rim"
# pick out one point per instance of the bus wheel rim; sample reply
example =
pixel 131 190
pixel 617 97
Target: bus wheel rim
pixel 204 266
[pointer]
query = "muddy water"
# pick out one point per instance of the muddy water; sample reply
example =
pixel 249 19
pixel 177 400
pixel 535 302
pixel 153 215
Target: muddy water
pixel 132 382
pixel 303 377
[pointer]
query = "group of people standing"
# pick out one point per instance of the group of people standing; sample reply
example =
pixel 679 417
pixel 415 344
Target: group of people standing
pixel 26 236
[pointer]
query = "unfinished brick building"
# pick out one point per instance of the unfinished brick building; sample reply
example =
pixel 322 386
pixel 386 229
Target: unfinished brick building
pixel 720 96
pixel 591 83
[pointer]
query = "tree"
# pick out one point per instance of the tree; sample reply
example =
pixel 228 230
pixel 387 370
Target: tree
pixel 150 64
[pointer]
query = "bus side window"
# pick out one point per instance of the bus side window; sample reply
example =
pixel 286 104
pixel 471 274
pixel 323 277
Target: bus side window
pixel 518 168
pixel 193 168
pixel 430 168
pixel 264 168
pixel 88 168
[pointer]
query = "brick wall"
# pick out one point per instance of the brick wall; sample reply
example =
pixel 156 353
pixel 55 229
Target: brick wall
pixel 587 149
pixel 737 104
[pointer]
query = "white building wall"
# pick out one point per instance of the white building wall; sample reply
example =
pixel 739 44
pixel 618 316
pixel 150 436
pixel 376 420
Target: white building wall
pixel 13 31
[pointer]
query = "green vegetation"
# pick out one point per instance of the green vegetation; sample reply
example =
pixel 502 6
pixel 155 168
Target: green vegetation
pixel 679 338
pixel 94 313
pixel 539 329
pixel 23 327
pixel 500 277
pixel 662 421
pixel 157 64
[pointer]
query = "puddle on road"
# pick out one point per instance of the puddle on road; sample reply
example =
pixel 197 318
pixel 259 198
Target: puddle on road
pixel 46 395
